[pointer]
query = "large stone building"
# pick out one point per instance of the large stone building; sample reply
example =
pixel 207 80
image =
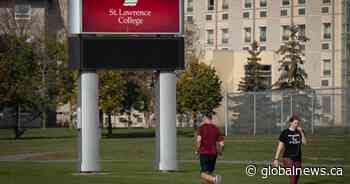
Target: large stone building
pixel 228 27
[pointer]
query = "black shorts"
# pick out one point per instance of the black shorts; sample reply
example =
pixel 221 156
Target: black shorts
pixel 207 163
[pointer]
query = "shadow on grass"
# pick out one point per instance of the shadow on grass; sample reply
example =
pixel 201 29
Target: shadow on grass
pixel 146 134
pixel 38 137
pixel 188 132
pixel 130 135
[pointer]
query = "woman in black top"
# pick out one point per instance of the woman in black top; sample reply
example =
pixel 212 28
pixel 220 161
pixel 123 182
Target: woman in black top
pixel 290 141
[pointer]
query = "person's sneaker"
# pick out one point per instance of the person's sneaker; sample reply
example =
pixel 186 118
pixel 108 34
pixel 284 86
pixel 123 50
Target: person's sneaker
pixel 217 179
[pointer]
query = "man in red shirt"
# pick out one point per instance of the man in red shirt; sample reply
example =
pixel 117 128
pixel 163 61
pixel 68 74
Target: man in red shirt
pixel 210 143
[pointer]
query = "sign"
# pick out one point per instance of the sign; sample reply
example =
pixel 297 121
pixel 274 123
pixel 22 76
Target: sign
pixel 145 53
pixel 132 16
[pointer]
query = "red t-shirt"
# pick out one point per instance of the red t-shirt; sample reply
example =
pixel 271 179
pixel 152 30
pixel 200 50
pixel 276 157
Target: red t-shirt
pixel 210 135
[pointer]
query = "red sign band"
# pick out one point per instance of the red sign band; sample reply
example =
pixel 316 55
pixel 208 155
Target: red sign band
pixel 131 16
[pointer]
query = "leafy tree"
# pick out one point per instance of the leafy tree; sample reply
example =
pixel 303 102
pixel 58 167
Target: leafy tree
pixel 134 99
pixel 112 92
pixel 253 81
pixel 18 79
pixel 198 90
pixel 293 74
pixel 57 81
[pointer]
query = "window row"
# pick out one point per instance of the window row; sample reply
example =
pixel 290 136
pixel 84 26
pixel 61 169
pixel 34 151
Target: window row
pixel 247 4
pixel 224 36
pixel 248 34
pixel 209 17
pixel 211 4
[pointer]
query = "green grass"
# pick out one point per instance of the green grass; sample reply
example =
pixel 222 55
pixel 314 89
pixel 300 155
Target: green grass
pixel 127 158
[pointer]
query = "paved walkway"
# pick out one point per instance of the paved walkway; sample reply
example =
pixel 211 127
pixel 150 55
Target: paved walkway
pixel 28 157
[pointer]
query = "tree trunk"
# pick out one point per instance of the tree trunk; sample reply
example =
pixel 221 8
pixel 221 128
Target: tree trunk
pixel 70 115
pixel 147 119
pixel 194 120
pixel 129 119
pixel 18 130
pixel 110 129
pixel 44 118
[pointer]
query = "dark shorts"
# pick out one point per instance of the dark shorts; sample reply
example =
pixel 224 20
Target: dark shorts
pixel 207 163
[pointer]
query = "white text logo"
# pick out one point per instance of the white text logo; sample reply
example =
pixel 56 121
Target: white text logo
pixel 130 2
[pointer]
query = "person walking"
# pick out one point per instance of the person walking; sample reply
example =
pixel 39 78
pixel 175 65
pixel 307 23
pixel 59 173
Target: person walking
pixel 290 141
pixel 210 143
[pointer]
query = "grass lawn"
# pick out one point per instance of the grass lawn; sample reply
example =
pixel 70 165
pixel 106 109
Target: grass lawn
pixel 127 158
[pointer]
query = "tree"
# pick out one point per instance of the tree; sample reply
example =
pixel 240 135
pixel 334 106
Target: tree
pixel 253 81
pixel 134 99
pixel 49 55
pixel 198 90
pixel 18 79
pixel 112 92
pixel 293 74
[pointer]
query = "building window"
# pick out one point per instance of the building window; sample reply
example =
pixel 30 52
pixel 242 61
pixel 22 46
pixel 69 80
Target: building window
pixel 225 4
pixel 23 12
pixel 225 36
pixel 326 104
pixel 301 11
pixel 263 3
pixel 326 1
pixel 263 14
pixel 327 31
pixel 190 19
pixel 225 16
pixel 325 10
pixel 284 12
pixel 325 46
pixel 189 5
pixel 247 3
pixel 246 15
pixel 211 5
pixel 210 37
pixel 301 1
pixel 208 17
pixel 245 48
pixel 247 34
pixel 263 34
pixel 285 33
pixel 325 83
pixel 285 2
pixel 302 31
pixel 326 68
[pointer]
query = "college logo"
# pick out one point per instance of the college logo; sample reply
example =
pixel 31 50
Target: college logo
pixel 130 2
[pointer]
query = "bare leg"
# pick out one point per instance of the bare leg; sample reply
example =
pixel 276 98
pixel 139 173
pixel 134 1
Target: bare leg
pixel 207 177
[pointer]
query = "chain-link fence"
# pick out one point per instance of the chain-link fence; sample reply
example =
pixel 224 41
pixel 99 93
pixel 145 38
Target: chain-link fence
pixel 322 111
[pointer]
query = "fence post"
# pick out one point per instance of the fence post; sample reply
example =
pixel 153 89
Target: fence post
pixel 226 112
pixel 281 112
pixel 291 105
pixel 254 115
pixel 312 114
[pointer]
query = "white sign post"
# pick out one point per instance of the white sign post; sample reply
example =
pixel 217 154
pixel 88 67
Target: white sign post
pixel 87 110
pixel 166 122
